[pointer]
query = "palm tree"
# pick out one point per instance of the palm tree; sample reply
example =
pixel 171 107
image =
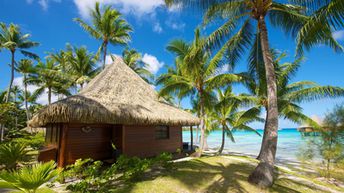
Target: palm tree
pixel 328 13
pixel 107 26
pixel 290 95
pixel 134 60
pixel 48 77
pixel 12 39
pixel 227 114
pixel 239 16
pixel 15 91
pixel 81 65
pixel 25 67
pixel 195 74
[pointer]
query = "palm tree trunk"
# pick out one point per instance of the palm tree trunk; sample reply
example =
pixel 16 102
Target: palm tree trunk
pixel 11 80
pixel 191 137
pixel 197 129
pixel 223 139
pixel 7 99
pixel 25 100
pixel 264 137
pixel 202 121
pixel 264 172
pixel 49 95
pixel 104 50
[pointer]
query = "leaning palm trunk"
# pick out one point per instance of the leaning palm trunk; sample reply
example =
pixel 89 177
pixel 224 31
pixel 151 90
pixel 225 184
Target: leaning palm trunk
pixel 7 99
pixel 263 173
pixel 264 138
pixel 197 129
pixel 25 101
pixel 202 141
pixel 11 80
pixel 223 140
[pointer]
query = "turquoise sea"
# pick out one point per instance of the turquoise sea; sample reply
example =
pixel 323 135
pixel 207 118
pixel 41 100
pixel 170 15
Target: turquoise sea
pixel 289 142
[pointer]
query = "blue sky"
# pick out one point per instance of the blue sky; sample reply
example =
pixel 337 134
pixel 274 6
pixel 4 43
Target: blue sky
pixel 51 23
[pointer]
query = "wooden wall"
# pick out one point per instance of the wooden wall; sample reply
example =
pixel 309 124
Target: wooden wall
pixel 93 142
pixel 140 141
pixel 75 141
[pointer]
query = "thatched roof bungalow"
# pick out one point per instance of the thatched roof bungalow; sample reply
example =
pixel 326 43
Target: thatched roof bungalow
pixel 118 107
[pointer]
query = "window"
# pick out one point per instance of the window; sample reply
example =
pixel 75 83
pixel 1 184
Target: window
pixel 162 132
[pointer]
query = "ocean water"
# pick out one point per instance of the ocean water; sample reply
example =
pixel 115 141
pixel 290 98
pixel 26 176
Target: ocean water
pixel 246 142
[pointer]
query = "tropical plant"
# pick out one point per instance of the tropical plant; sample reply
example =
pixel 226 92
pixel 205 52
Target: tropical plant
pixel 25 67
pixel 81 65
pixel 290 95
pixel 12 39
pixel 195 74
pixel 29 179
pixel 133 59
pixel 328 13
pixel 12 153
pixel 107 26
pixel 240 17
pixel 48 77
pixel 227 114
pixel 329 145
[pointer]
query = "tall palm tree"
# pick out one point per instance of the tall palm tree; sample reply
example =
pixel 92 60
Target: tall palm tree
pixel 107 26
pixel 133 59
pixel 195 74
pixel 240 17
pixel 25 67
pixel 81 65
pixel 290 95
pixel 227 114
pixel 48 77
pixel 12 39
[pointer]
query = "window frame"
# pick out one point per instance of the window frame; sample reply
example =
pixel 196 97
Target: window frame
pixel 162 132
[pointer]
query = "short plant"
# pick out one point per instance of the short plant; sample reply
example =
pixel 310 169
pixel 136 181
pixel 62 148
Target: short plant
pixel 12 153
pixel 29 179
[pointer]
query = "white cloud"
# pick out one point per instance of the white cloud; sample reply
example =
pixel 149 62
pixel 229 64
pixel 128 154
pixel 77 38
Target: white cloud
pixel 137 7
pixel 157 27
pixel 43 3
pixel 338 35
pixel 153 63
pixel 223 69
pixel 43 99
pixel 175 25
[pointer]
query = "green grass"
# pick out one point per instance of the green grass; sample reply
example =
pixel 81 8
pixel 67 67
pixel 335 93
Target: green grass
pixel 211 174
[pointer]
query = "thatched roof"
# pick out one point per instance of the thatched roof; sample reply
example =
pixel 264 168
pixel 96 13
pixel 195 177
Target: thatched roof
pixel 115 96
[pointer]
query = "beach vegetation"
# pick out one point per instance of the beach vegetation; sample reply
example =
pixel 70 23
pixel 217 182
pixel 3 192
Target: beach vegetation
pixel 29 179
pixel 107 26
pixel 329 144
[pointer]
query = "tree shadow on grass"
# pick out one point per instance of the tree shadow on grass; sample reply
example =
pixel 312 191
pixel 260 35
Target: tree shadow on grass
pixel 199 175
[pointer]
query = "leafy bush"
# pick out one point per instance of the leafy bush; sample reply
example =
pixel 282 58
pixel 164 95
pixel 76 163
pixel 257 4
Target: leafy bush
pixel 97 179
pixel 12 153
pixel 29 178
pixel 35 141
pixel 133 167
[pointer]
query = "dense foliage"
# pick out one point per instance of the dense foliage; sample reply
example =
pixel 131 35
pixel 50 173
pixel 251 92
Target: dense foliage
pixel 95 176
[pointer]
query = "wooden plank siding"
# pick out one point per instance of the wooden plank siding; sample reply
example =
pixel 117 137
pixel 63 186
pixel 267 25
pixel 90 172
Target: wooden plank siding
pixel 72 142
pixel 140 141
pixel 76 143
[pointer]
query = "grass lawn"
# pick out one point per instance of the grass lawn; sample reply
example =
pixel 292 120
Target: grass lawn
pixel 216 174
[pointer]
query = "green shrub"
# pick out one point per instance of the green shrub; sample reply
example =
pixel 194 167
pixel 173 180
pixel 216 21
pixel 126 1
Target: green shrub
pixel 35 141
pixel 97 179
pixel 12 153
pixel 29 178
